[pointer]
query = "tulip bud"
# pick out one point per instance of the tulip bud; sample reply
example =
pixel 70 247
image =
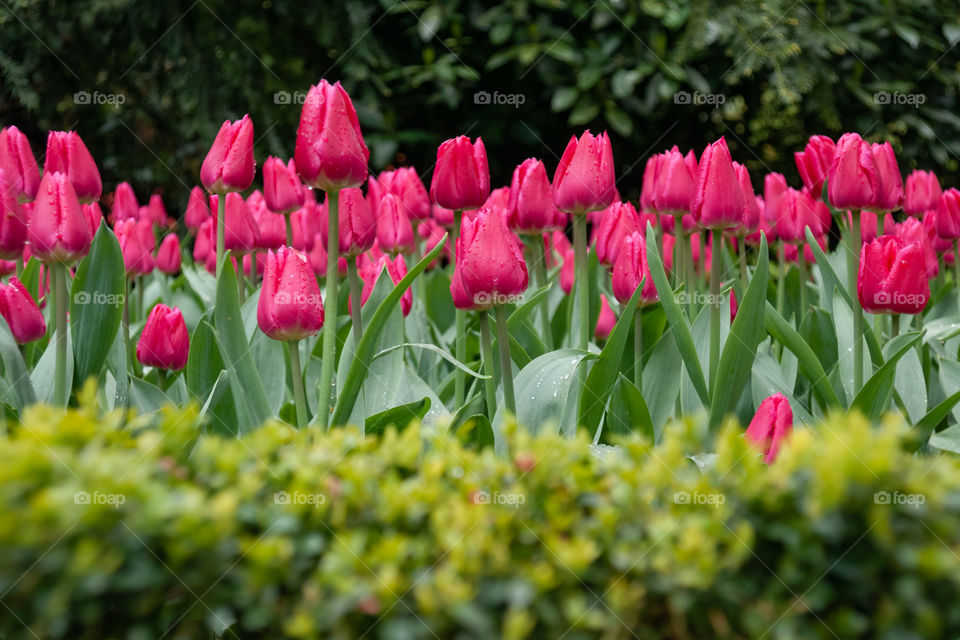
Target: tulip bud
pixel 948 215
pixel 922 193
pixel 798 210
pixel 605 321
pixel 22 314
pixel 93 215
pixel 240 229
pixel 531 209
pixel 619 221
pixel 814 163
pixel 205 242
pixel 330 153
pixel 229 165
pixel 893 277
pixel 58 231
pixel 407 186
pixel 125 205
pixel 718 198
pixel 198 211
pixel 890 195
pixel 13 221
pixel 290 307
pixel 394 231
pixel 156 213
pixel 370 270
pixel 630 268
pixel 771 426
pixel 305 225
pixel 136 243
pixel 774 186
pixel 18 163
pixel 584 180
pixel 854 181
pixel 67 154
pixel 356 225
pixel 164 343
pixel 751 212
pixel 489 260
pixel 911 231
pixel 567 270
pixel 461 179
pixel 282 189
pixel 673 189
pixel 650 183
pixel 168 255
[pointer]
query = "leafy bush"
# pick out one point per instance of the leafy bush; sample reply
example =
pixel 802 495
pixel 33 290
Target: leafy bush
pixel 137 530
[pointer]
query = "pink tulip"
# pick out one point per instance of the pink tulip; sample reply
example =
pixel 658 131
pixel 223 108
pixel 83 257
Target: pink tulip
pixel 394 230
pixel 675 182
pixel 605 321
pixel 229 165
pixel 67 154
pixel 718 198
pixel 631 267
pixel 584 180
pixel 330 153
pixel 18 163
pixel 619 221
pixel 531 210
pixel 489 262
pixel 164 343
pixel 290 307
pixel 282 189
pixel 922 193
pixel 198 210
pixel 58 230
pixel 21 313
pixel 854 179
pixel 814 163
pixel 771 426
pixel 461 179
pixel 168 254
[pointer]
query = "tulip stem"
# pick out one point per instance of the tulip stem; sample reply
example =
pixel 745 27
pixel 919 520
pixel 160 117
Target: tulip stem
pixel 802 266
pixel 537 260
pixel 355 298
pixel 678 259
pixel 460 340
pixel 506 369
pixel 894 325
pixel 782 273
pixel 715 264
pixel 582 284
pixel 60 300
pixel 241 286
pixel 221 225
pixel 853 263
pixel 490 384
pixel 162 379
pixel 956 263
pixel 690 274
pixel 330 312
pixel 126 321
pixel 742 248
pixel 289 226
pixel 296 373
pixel 638 348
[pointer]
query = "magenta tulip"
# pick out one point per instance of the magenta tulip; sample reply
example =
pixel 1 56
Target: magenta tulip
pixel 531 210
pixel 631 267
pixel 854 179
pixel 229 165
pixel 198 209
pixel 330 153
pixel 771 426
pixel 489 261
pixel 290 307
pixel 18 163
pixel 164 343
pixel 584 180
pixel 58 230
pixel 814 163
pixel 717 201
pixel 892 277
pixel 461 179
pixel 67 154
pixel 282 189
pixel 922 193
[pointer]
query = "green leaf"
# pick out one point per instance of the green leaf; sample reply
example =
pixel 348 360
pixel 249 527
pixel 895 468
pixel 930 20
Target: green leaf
pixel 785 334
pixel 145 396
pixel 547 390
pixel 676 319
pixel 740 349
pixel 96 304
pixel 934 417
pixel 235 349
pixel 400 417
pixel 563 99
pixel 530 304
pixel 603 374
pixel 875 394
pixel 42 376
pixel 371 335
pixel 947 440
pixel 15 371
pixel 628 411
pixel 443 354
pixel 476 430
pixel 661 380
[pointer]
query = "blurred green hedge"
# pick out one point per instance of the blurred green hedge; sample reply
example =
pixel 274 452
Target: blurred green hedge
pixel 151 529
pixel 765 74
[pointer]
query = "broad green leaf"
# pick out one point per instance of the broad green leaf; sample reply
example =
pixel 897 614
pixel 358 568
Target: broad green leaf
pixel 603 373
pixel 145 396
pixel 947 440
pixel 785 334
pixel 443 354
pixel 96 304
pixel 235 349
pixel 661 381
pixel 767 379
pixel 400 417
pixel 679 328
pixel 371 336
pixel 934 417
pixel 740 349
pixel 268 356
pixel 21 392
pixel 628 411
pixel 875 394
pixel 531 304
pixel 476 430
pixel 910 385
pixel 42 376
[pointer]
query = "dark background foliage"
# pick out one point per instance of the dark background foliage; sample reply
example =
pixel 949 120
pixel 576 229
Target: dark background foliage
pixel 764 74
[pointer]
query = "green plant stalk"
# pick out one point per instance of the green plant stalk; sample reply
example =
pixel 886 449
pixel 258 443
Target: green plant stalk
pixel 460 340
pixel 715 306
pixel 853 263
pixel 221 226
pixel 802 267
pixel 330 310
pixel 540 274
pixel 296 374
pixel 782 276
pixel 60 300
pixel 582 284
pixel 678 259
pixel 162 379
pixel 125 320
pixel 742 250
pixel 355 297
pixel 894 325
pixel 506 369
pixel 956 263
pixel 638 348
pixel 241 282
pixel 490 385
pixel 289 227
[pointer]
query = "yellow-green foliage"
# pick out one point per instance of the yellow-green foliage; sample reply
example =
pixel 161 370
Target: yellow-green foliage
pixel 304 534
